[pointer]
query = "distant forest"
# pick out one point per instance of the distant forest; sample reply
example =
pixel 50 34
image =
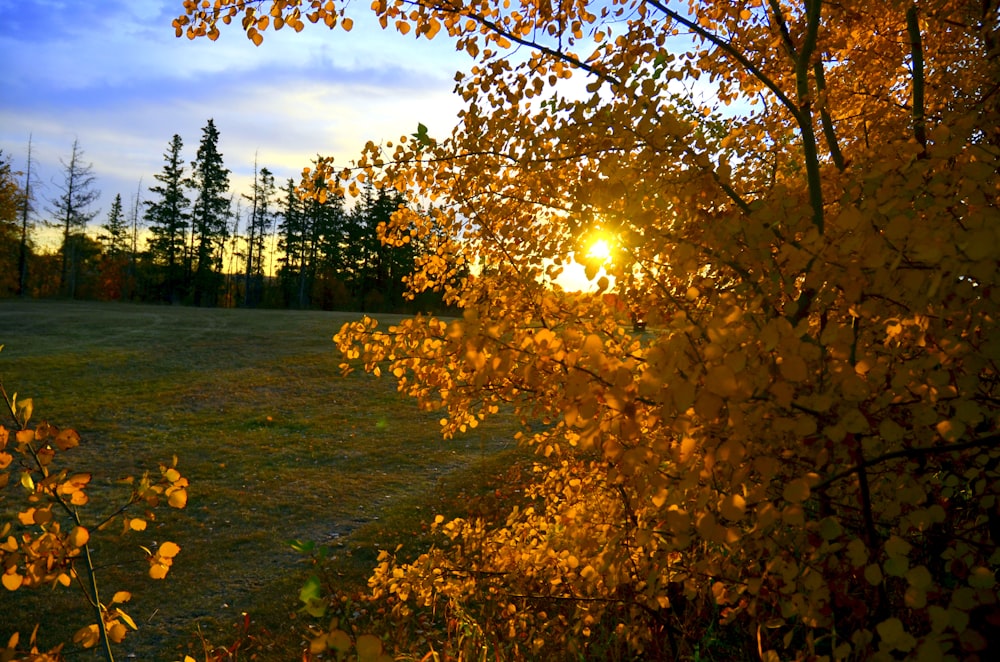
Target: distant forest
pixel 189 240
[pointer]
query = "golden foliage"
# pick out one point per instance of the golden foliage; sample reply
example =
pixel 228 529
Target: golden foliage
pixel 48 544
pixel 804 440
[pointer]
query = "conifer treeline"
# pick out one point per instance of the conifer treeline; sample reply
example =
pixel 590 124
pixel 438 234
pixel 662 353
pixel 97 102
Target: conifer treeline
pixel 189 240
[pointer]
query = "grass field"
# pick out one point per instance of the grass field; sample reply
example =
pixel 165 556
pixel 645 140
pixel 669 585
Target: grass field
pixel 276 443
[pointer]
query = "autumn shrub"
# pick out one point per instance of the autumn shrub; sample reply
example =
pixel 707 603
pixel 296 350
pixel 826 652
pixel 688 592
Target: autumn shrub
pixel 47 537
pixel 801 201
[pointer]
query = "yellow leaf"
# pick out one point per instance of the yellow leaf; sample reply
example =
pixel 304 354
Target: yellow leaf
pixel 121 596
pixel 793 368
pixel 88 636
pixel 116 632
pixel 873 574
pixel 78 537
pixel 896 546
pixel 733 507
pixel 346 23
pixel 23 409
pixel 796 491
pixel 687 448
pixel 137 524
pixel 919 577
pixel 339 641
pixel 128 619
pixel 982 577
pixel 177 498
pixel 721 380
pixel 318 645
pixel 11 580
pixel 369 647
pixel 67 439
pixel 169 550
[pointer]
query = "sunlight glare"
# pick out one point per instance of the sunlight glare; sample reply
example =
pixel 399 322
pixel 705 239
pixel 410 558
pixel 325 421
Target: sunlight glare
pixel 600 250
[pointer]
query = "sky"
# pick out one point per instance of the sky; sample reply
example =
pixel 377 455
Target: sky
pixel 112 75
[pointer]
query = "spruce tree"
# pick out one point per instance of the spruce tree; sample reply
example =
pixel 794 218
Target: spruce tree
pixel 71 213
pixel 290 243
pixel 209 217
pixel 312 239
pixel 168 218
pixel 115 235
pixel 375 269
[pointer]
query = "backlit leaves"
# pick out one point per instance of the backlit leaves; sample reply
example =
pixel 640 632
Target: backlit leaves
pixel 47 543
pixel 162 559
pixel 805 425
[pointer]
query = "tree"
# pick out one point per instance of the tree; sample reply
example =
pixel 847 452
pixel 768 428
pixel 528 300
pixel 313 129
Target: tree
pixel 259 225
pixel 133 246
pixel 312 237
pixel 12 201
pixel 209 216
pixel 168 219
pixel 290 244
pixel 803 444
pixel 116 237
pixel 376 269
pixel 116 230
pixel 27 210
pixel 71 213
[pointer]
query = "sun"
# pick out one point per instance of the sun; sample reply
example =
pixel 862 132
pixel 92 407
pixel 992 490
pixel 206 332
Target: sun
pixel 599 250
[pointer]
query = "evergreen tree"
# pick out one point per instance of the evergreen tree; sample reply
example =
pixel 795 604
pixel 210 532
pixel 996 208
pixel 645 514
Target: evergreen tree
pixel 325 223
pixel 290 244
pixel 168 218
pixel 312 237
pixel 259 225
pixel 375 269
pixel 71 213
pixel 115 233
pixel 209 217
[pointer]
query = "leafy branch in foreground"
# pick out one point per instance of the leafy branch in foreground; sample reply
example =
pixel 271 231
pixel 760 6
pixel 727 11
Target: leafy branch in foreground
pixel 45 539
pixel 796 458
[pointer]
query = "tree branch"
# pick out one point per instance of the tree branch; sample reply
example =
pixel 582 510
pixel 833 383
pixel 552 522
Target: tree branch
pixel 730 50
pixel 985 442
pixel 917 55
pixel 824 115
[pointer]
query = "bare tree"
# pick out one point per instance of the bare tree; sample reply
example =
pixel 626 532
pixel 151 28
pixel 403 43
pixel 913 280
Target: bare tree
pixel 71 212
pixel 26 212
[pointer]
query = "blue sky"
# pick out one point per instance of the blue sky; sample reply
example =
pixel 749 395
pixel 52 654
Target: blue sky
pixel 112 75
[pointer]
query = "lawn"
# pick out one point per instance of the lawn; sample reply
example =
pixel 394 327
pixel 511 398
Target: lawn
pixel 278 446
